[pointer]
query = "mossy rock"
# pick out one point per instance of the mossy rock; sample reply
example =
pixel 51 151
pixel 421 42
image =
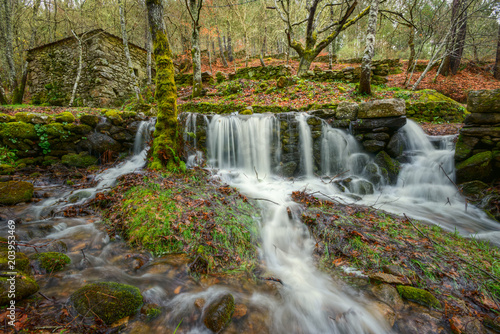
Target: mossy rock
pixel 30 161
pixel 246 111
pixel 79 129
pixel 15 130
pixel 54 129
pixel 81 160
pixel 6 169
pixel 419 296
pixel 90 120
pixel 481 101
pixel 34 118
pixel 220 77
pixel 13 192
pixel 4 244
pixel 431 105
pixel 477 167
pixel 65 117
pixel 392 166
pixel 22 263
pixel 51 261
pixel 133 114
pixel 109 301
pixel 218 314
pixel 473 188
pixel 25 287
pixel 115 117
pixel 5 118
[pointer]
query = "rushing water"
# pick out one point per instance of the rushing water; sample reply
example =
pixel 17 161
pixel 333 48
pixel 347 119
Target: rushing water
pixel 248 153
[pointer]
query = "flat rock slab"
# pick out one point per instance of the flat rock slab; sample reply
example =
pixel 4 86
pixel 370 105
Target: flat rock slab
pixel 382 108
pixel 480 101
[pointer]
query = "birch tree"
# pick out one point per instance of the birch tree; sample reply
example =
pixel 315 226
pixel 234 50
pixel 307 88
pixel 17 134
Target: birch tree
pixel 165 147
pixel 126 49
pixel 366 66
pixel 9 43
pixel 194 10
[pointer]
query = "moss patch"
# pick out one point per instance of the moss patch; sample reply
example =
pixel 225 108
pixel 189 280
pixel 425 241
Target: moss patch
pixel 65 117
pixel 81 160
pixel 419 296
pixel 25 287
pixel 15 130
pixel 22 263
pixel 51 261
pixel 108 301
pixel 13 192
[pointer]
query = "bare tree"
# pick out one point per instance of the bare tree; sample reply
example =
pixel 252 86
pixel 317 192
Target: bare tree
pixel 194 10
pixel 496 71
pixel 366 66
pixel 127 52
pixel 314 28
pixel 8 39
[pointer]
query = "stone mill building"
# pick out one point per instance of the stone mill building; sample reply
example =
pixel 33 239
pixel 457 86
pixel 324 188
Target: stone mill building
pixel 105 80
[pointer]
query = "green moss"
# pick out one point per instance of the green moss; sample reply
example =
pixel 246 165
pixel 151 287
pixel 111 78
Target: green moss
pixel 109 301
pixel 5 118
pixel 53 129
pixel 218 314
pixel 79 129
pixel 272 109
pixel 211 108
pixel 246 112
pixel 25 287
pixel 81 160
pixel 429 106
pixel 462 151
pixel 419 296
pixel 65 117
pixel 22 263
pixel 13 192
pixel 115 117
pixel 90 120
pixel 14 130
pixel 52 261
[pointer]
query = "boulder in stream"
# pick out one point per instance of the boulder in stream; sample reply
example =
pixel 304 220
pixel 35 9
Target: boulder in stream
pixel 109 301
pixel 13 192
pixel 25 287
pixel 218 314
pixel 51 261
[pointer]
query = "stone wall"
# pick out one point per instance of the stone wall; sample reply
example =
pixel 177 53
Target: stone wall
pixel 477 153
pixel 43 139
pixel 105 79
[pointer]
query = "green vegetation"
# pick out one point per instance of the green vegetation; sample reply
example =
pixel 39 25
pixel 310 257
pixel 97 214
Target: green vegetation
pixel 418 295
pixel 52 261
pixel 192 217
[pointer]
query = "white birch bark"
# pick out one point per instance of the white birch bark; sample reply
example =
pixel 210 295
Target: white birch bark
pixel 80 66
pixel 366 65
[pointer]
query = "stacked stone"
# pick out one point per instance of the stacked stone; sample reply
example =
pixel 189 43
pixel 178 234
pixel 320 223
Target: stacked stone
pixel 261 73
pixel 477 153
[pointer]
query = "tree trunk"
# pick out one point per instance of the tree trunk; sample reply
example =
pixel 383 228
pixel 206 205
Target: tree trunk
pixel 331 49
pixel 79 71
pixel 411 45
pixel 9 49
pixel 148 59
pixel 135 82
pixel 245 43
pixel 263 49
pixel 366 65
pixel 165 147
pixel 496 70
pixel 450 48
pixel 223 58
pixel 458 47
pixel 304 64
pixel 3 98
pixel 195 6
pixel 209 55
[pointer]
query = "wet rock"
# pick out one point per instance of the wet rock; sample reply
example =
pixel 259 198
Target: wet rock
pixel 473 188
pixel 101 143
pixel 13 192
pixel 464 147
pixel 382 136
pixel 386 312
pixel 25 287
pixel 79 196
pixel 50 261
pixel 396 145
pixel 373 146
pixel 90 120
pixel 391 123
pixel 199 303
pixel 387 278
pixel 420 296
pixel 218 314
pixel 361 187
pixel 466 325
pixel 58 246
pixel 288 169
pixel 347 110
pixel 477 167
pixel 417 324
pixel 322 113
pixel 483 118
pixel 389 295
pixel 109 301
pixel 383 160
pixel 22 263
pixel 382 108
pixel 151 311
pixel 483 101
pixel 81 160
pixel 240 310
pixel 115 117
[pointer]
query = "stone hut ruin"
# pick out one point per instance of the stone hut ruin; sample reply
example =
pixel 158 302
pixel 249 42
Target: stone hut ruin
pixel 105 79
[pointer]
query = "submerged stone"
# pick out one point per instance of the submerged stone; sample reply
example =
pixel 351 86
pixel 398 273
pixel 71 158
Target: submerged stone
pixel 218 314
pixel 109 301
pixel 51 261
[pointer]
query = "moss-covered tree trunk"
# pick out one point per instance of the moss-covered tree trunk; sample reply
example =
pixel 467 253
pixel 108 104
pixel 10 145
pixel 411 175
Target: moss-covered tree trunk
pixel 165 145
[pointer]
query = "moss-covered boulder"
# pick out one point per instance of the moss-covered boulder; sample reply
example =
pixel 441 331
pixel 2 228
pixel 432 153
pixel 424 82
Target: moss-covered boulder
pixel 13 192
pixel 65 117
pixel 383 160
pixel 419 296
pixel 382 108
pixel 25 286
pixel 22 263
pixel 51 261
pixel 34 118
pixel 90 120
pixel 115 117
pixel 109 301
pixel 220 77
pixel 17 130
pixel 481 101
pixel 5 118
pixel 473 188
pixel 477 167
pixel 430 105
pixel 81 160
pixel 78 129
pixel 218 314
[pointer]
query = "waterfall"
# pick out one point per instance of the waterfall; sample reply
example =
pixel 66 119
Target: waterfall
pixel 306 156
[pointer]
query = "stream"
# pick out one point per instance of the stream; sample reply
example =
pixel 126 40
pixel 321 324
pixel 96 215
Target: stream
pixel 244 152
